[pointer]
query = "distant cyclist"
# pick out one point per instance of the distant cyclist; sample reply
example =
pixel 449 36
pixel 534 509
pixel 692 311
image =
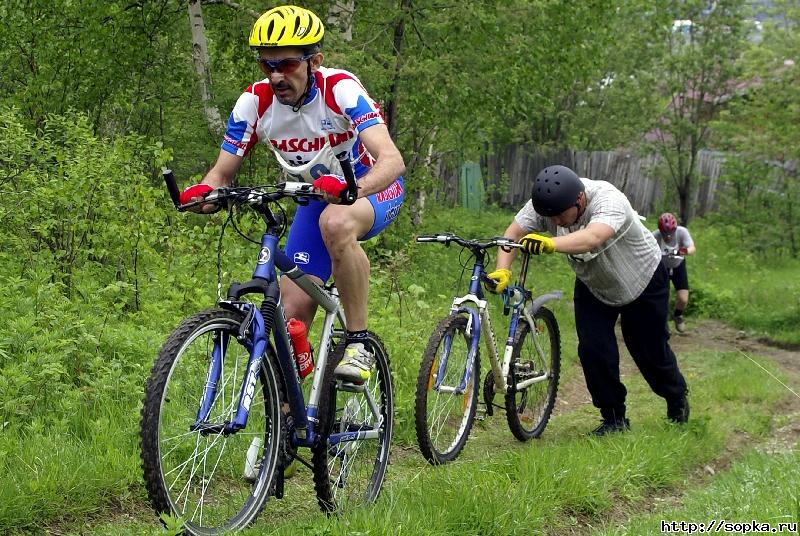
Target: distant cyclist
pixel 675 243
pixel 307 115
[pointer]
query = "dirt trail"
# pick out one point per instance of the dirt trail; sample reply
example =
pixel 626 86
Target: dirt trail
pixel 704 334
pixel 716 336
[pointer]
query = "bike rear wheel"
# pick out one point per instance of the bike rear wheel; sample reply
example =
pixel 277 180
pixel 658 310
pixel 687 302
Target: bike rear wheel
pixel 444 412
pixel 207 478
pixel 350 473
pixel 536 354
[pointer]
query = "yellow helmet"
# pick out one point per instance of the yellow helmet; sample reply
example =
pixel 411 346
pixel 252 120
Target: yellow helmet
pixel 287 26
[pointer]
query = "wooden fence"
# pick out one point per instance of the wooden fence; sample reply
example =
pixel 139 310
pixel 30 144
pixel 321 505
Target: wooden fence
pixel 508 175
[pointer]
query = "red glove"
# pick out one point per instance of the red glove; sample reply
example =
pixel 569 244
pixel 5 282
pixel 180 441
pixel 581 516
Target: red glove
pixel 195 190
pixel 332 185
pixel 683 251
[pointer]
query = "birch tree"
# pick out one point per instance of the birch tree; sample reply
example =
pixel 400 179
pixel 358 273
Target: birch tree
pixel 700 72
pixel 202 65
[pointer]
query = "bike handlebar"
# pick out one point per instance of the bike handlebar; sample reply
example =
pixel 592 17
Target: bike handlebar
pixel 256 196
pixel 477 247
pixel 447 238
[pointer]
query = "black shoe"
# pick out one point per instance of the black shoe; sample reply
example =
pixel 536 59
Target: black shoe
pixel 678 410
pixel 608 427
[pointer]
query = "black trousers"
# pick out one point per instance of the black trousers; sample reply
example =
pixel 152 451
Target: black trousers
pixel 644 329
pixel 679 276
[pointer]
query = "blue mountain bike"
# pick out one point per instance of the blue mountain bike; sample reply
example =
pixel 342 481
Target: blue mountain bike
pixel 224 412
pixel 449 376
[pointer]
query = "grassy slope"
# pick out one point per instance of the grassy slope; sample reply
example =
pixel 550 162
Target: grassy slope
pixel 500 486
pixel 759 295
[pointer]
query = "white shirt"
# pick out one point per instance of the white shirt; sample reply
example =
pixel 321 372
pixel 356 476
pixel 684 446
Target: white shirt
pixel 621 268
pixel 307 141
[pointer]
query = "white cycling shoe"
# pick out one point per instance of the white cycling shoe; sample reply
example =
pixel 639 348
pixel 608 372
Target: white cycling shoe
pixel 356 365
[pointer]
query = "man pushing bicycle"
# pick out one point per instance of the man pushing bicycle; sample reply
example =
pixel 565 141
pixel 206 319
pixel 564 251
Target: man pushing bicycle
pixel 308 114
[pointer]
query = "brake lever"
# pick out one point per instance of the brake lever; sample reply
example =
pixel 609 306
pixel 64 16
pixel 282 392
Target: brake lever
pixel 217 197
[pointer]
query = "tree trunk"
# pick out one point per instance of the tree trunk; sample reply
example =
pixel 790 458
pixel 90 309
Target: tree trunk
pixel 391 104
pixel 340 15
pixel 684 189
pixel 202 66
pixel 418 202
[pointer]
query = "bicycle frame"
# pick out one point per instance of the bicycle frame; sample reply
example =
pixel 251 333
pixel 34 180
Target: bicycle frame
pixel 254 334
pixel 522 308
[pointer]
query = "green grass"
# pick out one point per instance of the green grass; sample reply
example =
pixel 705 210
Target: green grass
pixel 70 462
pixel 563 480
pixel 758 487
pixel 757 294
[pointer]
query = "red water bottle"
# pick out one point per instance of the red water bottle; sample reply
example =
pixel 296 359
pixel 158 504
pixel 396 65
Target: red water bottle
pixel 302 348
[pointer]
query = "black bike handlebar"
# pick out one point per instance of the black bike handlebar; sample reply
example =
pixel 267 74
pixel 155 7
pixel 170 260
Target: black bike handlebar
pixel 172 187
pixel 351 193
pixel 294 190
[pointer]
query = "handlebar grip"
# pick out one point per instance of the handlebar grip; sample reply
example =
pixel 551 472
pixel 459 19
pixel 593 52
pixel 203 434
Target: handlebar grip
pixel 442 238
pixel 351 194
pixel 172 187
pixel 489 283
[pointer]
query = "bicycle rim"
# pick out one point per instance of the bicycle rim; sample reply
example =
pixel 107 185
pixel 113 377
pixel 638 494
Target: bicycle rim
pixel 208 481
pixel 537 354
pixel 351 473
pixel 443 416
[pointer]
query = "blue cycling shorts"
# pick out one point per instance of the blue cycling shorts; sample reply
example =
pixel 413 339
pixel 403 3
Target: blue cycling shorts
pixel 304 244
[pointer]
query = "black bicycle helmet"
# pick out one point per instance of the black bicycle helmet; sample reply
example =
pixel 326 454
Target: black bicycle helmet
pixel 555 189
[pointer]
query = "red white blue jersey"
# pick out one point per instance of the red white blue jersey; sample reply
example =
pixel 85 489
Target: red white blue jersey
pixel 307 141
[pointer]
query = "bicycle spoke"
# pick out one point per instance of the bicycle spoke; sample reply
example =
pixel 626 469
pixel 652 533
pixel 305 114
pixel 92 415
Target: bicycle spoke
pixel 197 475
pixel 350 473
pixel 444 416
pixel 536 356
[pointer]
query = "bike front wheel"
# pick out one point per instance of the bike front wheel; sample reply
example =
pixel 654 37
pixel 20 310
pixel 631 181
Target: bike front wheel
pixel 214 482
pixel 536 359
pixel 356 422
pixel 447 391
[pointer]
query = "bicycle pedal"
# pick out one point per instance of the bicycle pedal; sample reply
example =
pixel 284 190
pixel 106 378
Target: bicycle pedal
pixel 351 387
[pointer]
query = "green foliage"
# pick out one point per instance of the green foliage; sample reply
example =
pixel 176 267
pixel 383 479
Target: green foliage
pixel 733 279
pixel 760 132
pixel 697 73
pixel 96 268
pixel 710 299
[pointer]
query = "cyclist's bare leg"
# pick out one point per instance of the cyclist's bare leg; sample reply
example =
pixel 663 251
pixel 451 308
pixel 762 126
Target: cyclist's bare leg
pixel 296 303
pixel 341 226
pixel 681 300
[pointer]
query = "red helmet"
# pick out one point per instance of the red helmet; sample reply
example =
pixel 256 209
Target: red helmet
pixel 667 223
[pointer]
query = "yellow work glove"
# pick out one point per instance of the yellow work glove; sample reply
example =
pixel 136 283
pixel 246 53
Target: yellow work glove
pixel 537 244
pixel 502 277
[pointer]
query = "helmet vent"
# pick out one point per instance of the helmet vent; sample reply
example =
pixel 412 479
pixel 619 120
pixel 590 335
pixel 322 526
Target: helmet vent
pixel 269 29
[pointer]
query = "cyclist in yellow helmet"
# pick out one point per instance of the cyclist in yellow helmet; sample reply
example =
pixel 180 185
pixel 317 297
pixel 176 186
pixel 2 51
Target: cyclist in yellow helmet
pixel 308 114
